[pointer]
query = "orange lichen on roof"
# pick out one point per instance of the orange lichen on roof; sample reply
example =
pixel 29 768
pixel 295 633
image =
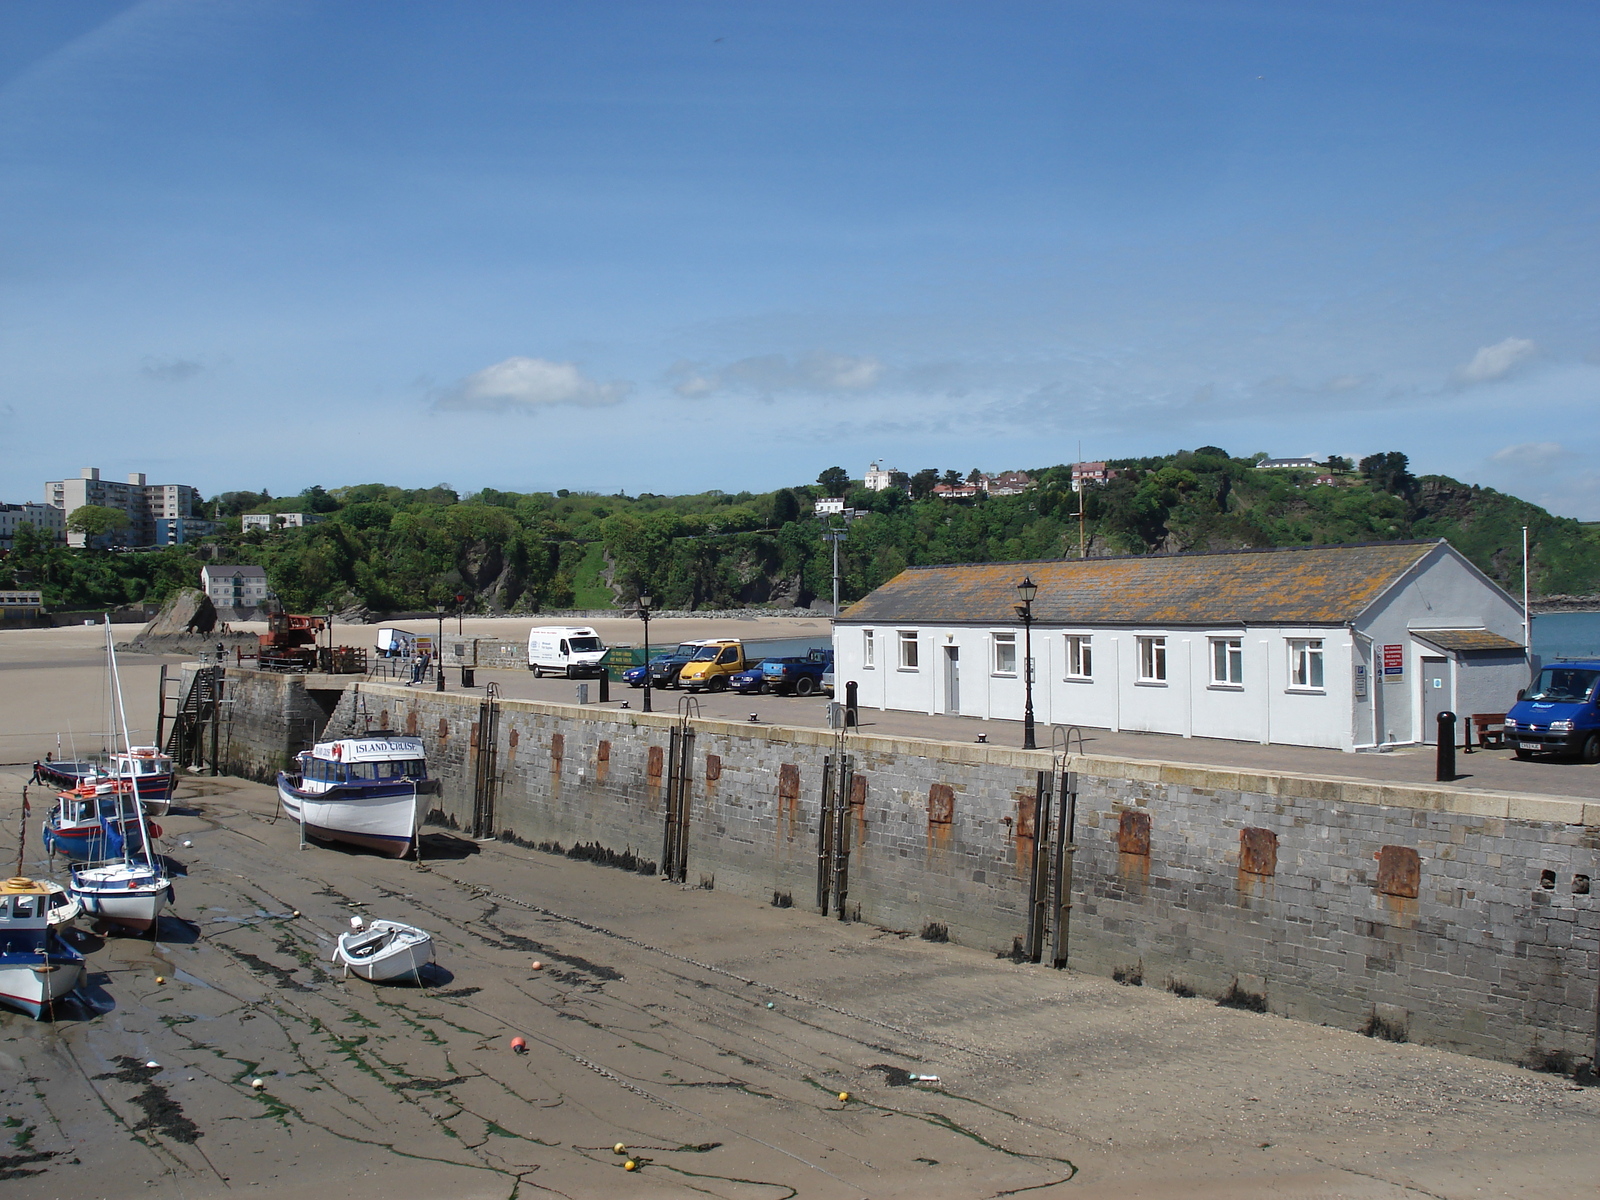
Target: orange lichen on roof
pixel 1315 585
pixel 1466 639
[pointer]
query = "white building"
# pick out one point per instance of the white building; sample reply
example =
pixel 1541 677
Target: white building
pixel 1279 464
pixel 878 479
pixel 1337 646
pixel 144 502
pixel 1090 474
pixel 272 521
pixel 235 587
pixel 43 517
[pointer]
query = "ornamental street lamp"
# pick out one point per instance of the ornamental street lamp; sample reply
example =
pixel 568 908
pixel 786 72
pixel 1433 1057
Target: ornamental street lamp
pixel 1026 590
pixel 438 653
pixel 644 613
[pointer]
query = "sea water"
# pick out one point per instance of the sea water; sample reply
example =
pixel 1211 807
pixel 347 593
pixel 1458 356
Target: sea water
pixel 1567 635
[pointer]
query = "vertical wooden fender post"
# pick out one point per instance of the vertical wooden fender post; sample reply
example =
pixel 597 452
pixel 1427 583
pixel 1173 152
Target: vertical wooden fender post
pixel 1061 898
pixel 1040 875
pixel 833 831
pixel 486 777
pixel 675 832
pixel 1055 818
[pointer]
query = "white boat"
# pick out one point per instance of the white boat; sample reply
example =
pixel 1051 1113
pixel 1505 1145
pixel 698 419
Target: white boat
pixel 62 906
pixel 361 791
pixel 37 968
pixel 385 950
pixel 131 891
pixel 151 771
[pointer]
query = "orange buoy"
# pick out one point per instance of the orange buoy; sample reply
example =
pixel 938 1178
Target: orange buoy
pixel 519 1045
pixel 537 965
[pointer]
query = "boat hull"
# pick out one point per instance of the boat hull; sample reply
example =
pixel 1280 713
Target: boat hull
pixel 34 982
pixel 157 788
pixel 381 819
pixel 114 895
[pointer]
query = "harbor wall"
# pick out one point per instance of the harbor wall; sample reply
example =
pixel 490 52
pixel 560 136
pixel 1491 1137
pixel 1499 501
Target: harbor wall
pixel 1457 918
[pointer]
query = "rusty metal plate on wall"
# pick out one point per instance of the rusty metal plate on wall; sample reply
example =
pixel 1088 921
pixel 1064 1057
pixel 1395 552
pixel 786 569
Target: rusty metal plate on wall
pixel 858 791
pixel 788 782
pixel 653 761
pixel 941 804
pixel 1258 851
pixel 558 746
pixel 713 767
pixel 1133 832
pixel 1399 871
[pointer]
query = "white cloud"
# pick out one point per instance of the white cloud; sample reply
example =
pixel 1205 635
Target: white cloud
pixel 1492 362
pixel 529 384
pixel 1532 456
pixel 818 371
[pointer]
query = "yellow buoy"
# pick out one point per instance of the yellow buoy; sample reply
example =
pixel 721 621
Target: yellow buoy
pixel 630 1165
pixel 844 1095
pixel 161 978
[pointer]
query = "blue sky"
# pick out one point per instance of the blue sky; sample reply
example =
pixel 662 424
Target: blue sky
pixel 674 246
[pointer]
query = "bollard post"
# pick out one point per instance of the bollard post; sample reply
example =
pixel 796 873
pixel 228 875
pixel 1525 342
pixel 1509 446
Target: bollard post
pixel 1446 746
pixel 583 693
pixel 852 716
pixel 605 685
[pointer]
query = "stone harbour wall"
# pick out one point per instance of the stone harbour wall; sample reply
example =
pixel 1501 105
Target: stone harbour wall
pixel 1461 919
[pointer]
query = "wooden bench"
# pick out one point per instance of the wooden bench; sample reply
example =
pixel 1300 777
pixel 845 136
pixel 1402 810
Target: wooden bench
pixel 1489 729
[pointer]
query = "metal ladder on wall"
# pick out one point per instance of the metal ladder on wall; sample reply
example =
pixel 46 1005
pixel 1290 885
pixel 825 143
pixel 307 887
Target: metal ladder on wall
pixel 680 771
pixel 1055 815
pixel 197 714
pixel 486 773
pixel 360 716
pixel 833 832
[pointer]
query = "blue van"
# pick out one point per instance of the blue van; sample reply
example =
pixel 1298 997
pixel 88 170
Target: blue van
pixel 1558 714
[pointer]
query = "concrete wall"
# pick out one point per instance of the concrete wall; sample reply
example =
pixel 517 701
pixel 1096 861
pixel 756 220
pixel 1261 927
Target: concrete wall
pixel 1483 957
pixel 272 716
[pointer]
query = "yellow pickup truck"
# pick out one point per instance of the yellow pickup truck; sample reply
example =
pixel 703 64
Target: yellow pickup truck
pixel 719 659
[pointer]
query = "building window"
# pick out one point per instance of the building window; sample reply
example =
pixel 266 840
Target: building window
pixel 1152 660
pixel 1305 663
pixel 1005 654
pixel 1080 656
pixel 1227 662
pixel 869 649
pixel 908 650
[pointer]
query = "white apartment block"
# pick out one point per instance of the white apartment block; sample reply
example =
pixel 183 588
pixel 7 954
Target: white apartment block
pixel 145 503
pixel 271 521
pixel 235 586
pixel 42 516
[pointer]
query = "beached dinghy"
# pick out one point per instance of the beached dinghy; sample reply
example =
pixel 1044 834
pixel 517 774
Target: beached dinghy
pixel 37 968
pixel 385 950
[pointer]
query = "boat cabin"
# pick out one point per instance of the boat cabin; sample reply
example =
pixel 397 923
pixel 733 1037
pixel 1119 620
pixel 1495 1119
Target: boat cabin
pixel 379 758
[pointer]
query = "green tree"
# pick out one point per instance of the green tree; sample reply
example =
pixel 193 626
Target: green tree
pixel 97 522
pixel 922 483
pixel 835 481
pixel 1390 472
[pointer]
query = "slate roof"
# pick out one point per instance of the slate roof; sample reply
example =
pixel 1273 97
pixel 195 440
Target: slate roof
pixel 1311 585
pixel 1466 640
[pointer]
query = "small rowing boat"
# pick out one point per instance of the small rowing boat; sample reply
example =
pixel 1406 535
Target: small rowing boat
pixel 385 950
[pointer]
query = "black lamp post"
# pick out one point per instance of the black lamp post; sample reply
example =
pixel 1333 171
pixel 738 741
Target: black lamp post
pixel 438 653
pixel 1027 591
pixel 644 614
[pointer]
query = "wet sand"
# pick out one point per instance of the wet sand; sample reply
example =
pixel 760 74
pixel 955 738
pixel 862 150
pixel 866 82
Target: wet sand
pixel 712 1035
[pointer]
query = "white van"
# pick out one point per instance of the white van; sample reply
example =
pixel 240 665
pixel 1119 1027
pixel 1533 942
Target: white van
pixel 571 650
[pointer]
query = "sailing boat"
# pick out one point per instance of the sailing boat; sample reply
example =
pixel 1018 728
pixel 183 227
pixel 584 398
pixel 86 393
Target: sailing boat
pixel 130 893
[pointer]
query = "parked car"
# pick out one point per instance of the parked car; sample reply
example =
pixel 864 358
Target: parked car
pixel 718 659
pixel 801 676
pixel 749 683
pixel 1559 713
pixel 663 668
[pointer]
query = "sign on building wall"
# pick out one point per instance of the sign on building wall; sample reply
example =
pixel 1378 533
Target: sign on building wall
pixel 1360 685
pixel 1394 664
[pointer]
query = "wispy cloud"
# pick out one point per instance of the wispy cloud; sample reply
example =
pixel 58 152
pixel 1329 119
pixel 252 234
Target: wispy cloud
pixel 1496 361
pixel 819 371
pixel 170 370
pixel 527 385
pixel 1536 457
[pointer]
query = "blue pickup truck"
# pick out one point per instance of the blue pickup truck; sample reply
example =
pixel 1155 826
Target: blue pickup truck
pixel 1559 713
pixel 799 676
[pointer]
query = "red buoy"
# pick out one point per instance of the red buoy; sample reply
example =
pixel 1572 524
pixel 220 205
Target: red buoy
pixel 519 1045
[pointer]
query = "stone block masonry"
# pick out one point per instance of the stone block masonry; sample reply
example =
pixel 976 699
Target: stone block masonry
pixel 1463 919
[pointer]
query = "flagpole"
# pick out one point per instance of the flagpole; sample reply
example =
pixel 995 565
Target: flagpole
pixel 1527 619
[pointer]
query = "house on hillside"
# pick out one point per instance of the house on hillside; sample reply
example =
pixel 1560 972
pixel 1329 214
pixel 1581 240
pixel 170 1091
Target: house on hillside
pixel 1280 464
pixel 1338 646
pixel 240 593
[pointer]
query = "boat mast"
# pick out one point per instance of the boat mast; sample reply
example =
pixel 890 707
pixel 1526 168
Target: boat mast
pixel 127 745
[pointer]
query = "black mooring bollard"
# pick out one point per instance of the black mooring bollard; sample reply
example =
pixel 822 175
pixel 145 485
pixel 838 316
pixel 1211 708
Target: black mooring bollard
pixel 605 685
pixel 852 716
pixel 1446 762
